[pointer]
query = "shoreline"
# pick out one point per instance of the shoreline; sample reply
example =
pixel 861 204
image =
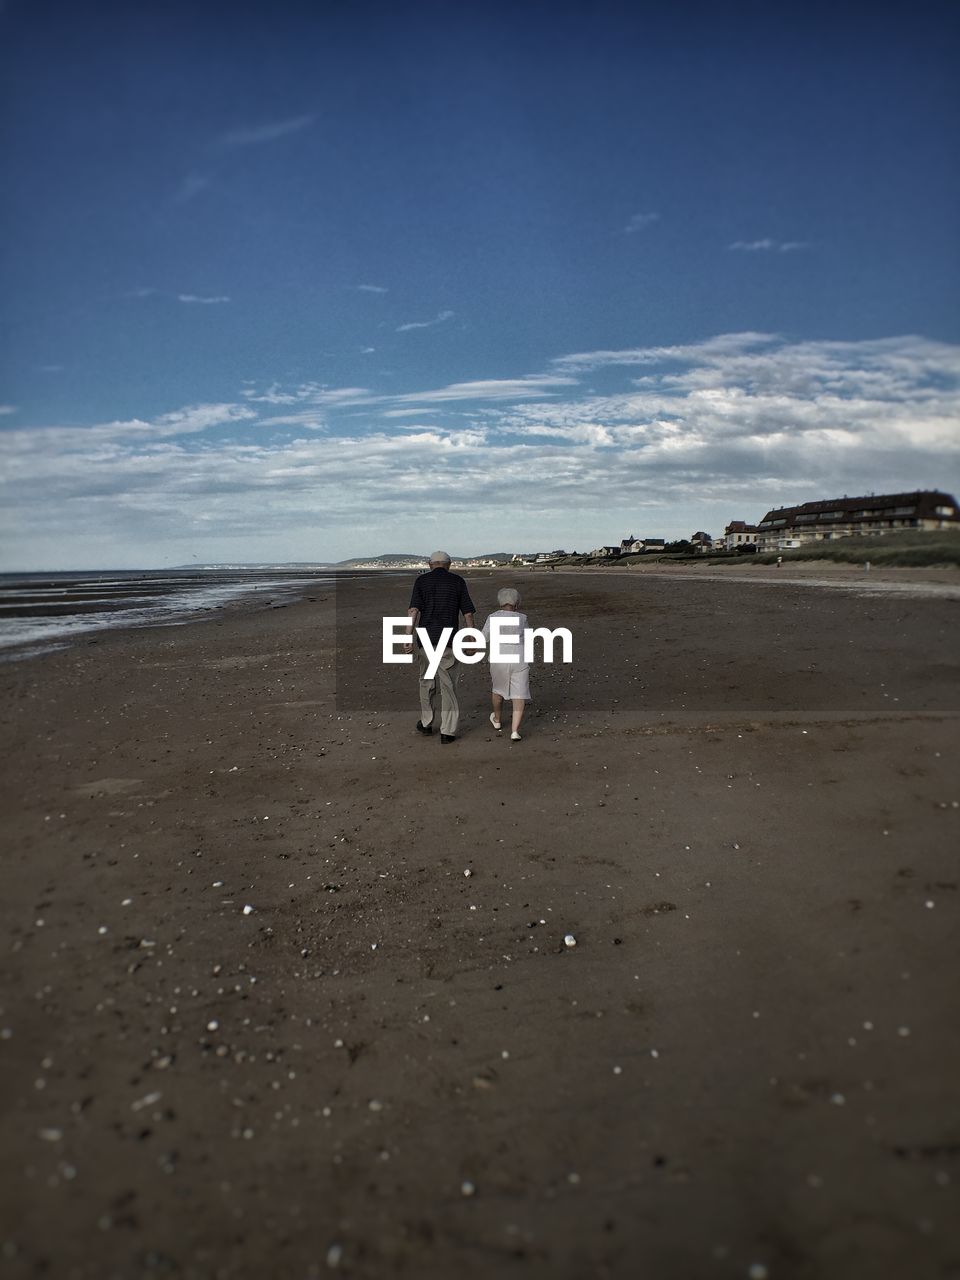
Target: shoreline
pixel 104 621
pixel 932 583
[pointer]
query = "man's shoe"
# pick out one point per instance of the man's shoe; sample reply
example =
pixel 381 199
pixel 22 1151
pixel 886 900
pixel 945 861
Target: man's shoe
pixel 447 737
pixel 424 728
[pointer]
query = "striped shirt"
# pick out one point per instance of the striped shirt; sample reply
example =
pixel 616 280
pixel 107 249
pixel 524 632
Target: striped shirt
pixel 441 597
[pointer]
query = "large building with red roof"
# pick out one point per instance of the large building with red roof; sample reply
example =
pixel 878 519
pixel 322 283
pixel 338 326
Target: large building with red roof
pixel 869 516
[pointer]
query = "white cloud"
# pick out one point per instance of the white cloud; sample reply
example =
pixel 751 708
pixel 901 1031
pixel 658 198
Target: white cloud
pixel 310 393
pixel 200 417
pixel 129 435
pixel 311 419
pixel 194 297
pixel 7 408
pixel 266 132
pixel 535 385
pixel 723 345
pixel 372 288
pixel 532 386
pixel 640 222
pixel 737 407
pixel 768 246
pixel 440 318
pixel 273 395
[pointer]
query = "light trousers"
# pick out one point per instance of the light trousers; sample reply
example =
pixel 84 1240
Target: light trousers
pixel 445 683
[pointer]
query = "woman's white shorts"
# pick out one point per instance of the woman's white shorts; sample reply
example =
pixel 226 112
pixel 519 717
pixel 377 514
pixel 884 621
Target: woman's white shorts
pixel 511 680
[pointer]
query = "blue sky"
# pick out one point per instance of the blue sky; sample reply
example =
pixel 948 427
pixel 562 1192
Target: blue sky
pixel 303 281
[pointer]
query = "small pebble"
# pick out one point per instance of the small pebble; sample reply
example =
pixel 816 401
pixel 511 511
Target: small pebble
pixel 248 910
pixel 467 1188
pixel 569 940
pixel 334 1256
pixel 757 1270
pixel 146 1101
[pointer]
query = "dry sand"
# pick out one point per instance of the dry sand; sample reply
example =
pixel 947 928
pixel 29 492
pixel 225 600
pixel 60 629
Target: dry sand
pixel 742 800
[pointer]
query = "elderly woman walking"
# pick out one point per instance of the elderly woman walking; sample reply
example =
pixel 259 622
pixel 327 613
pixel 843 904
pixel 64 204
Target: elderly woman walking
pixel 511 679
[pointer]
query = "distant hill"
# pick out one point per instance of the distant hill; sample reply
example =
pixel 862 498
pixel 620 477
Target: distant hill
pixel 413 557
pixel 394 557
pixel 401 559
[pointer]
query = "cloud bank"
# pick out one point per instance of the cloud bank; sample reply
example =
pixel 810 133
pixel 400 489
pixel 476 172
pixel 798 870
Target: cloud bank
pixel 687 435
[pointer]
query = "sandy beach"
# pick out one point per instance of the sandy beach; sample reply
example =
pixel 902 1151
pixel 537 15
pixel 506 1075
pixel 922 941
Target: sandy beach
pixel 258 1021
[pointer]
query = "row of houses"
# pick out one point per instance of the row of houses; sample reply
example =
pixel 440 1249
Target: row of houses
pixel 630 546
pixel 786 527
pixel 700 541
pixel 870 516
pixel 781 528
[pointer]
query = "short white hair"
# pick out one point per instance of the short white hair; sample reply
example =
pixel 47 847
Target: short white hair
pixel 440 557
pixel 508 595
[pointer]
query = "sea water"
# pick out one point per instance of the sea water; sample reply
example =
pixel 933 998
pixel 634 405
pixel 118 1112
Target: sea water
pixel 40 612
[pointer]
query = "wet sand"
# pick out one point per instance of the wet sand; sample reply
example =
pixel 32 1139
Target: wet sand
pixel 742 801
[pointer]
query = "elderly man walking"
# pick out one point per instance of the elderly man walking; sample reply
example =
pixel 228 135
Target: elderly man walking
pixel 439 597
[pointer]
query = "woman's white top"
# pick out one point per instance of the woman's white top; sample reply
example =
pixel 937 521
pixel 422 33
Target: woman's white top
pixel 511 679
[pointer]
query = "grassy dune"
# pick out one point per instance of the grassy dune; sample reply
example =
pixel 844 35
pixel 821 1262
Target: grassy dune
pixel 909 548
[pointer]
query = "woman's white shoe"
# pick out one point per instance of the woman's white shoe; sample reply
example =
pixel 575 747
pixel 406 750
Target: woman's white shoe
pixel 514 737
pixel 494 721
